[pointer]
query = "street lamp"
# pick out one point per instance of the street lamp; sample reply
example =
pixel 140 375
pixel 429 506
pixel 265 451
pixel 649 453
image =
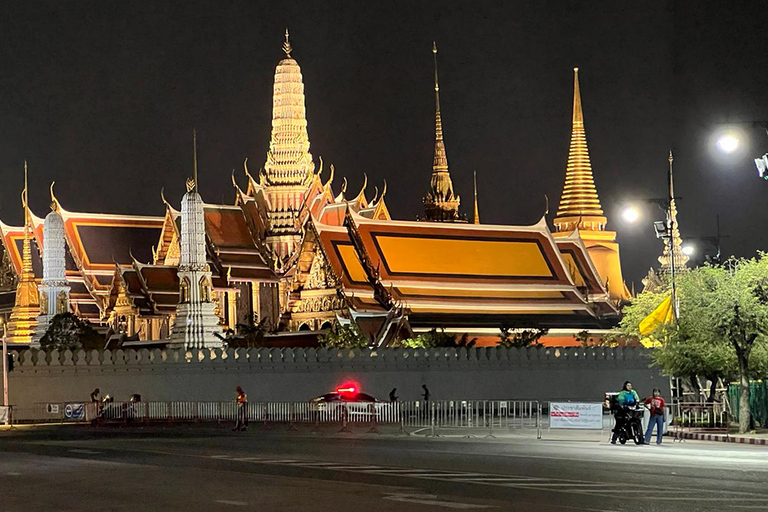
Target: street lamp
pixel 688 250
pixel 728 143
pixel 630 214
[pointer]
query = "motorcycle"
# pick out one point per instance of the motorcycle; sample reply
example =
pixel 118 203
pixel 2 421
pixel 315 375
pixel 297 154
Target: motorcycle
pixel 629 424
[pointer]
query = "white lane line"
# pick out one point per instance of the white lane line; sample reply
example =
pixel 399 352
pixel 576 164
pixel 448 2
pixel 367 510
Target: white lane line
pixel 431 499
pixel 88 452
pixel 233 503
pixel 247 459
pixel 13 473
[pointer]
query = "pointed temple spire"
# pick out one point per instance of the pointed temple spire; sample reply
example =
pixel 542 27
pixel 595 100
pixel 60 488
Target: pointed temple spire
pixel 195 322
pixel 580 208
pixel 194 157
pixel 680 258
pixel 289 168
pixel 23 321
pixel 476 219
pixel 440 203
pixel 579 205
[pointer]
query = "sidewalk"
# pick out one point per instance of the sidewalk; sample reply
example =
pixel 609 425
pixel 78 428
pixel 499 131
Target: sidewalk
pixel 757 438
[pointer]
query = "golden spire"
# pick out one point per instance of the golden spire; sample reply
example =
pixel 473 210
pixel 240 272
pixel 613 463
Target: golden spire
pixel 21 326
pixel 440 203
pixel 194 158
pixel 579 205
pixel 287 45
pixel 477 212
pixel 677 243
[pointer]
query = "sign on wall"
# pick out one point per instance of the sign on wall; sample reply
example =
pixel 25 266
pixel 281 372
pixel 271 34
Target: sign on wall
pixel 74 411
pixel 5 414
pixel 576 415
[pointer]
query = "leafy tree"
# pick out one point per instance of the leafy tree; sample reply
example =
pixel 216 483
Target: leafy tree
pixel 67 331
pixel 344 336
pixel 722 331
pixel 515 337
pixel 247 336
pixel 436 339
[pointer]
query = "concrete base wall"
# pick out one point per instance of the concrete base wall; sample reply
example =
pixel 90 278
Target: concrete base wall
pixel 301 374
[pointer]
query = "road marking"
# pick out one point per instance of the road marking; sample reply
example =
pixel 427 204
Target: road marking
pixel 430 499
pixel 13 473
pixel 88 452
pixel 233 503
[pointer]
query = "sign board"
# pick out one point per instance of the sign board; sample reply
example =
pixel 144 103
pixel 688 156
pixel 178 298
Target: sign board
pixel 5 414
pixel 53 408
pixel 576 415
pixel 74 411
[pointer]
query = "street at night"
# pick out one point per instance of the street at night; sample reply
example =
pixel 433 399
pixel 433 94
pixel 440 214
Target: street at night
pixel 212 469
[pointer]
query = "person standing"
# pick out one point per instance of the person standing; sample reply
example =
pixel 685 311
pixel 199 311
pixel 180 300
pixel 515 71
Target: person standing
pixel 242 410
pixel 627 398
pixel 426 393
pixel 658 407
pixel 393 395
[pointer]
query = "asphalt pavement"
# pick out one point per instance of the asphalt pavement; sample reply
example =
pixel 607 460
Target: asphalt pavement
pixel 209 468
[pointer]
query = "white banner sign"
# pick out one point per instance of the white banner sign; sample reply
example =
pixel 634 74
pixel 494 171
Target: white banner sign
pixel 5 415
pixel 576 415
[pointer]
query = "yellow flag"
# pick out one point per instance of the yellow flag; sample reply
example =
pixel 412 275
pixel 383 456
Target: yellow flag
pixel 662 315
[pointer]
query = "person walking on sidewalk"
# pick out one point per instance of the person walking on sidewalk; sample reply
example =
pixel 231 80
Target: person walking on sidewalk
pixel 242 410
pixel 658 406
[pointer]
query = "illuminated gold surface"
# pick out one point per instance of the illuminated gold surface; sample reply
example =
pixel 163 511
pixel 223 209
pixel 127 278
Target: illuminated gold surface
pixel 352 263
pixel 579 204
pixel 21 326
pixel 463 257
pixel 501 294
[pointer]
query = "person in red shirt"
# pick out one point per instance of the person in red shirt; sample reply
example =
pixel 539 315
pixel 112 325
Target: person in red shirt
pixel 657 416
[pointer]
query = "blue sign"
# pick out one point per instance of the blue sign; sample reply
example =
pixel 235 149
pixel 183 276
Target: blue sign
pixel 74 411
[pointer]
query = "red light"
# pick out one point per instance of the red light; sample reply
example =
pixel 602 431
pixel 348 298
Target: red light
pixel 350 389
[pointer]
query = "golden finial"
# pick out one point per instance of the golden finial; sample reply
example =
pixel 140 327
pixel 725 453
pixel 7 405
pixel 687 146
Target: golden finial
pixel 25 197
pixel 194 168
pixel 670 157
pixel 54 202
pixel 287 45
pixel 477 211
pixel 437 86
pixel 190 185
pixel 578 114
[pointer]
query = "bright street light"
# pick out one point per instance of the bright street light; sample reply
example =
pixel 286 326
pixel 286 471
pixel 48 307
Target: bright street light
pixel 630 215
pixel 688 250
pixel 727 143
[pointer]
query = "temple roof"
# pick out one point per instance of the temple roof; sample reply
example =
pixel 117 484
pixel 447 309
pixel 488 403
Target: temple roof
pixel 445 270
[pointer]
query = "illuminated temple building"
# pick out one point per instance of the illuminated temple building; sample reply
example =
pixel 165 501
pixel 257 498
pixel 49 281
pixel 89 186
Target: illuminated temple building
pixel 297 251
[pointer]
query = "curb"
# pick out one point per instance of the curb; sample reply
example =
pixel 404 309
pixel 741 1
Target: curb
pixel 723 438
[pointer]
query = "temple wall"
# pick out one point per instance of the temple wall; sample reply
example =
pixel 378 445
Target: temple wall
pixel 301 374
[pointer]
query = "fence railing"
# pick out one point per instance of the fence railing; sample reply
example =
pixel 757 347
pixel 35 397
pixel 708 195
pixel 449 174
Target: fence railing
pixel 699 417
pixel 491 414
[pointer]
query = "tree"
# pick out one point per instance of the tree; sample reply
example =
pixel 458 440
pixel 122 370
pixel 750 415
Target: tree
pixel 439 339
pixel 67 331
pixel 722 331
pixel 344 336
pixel 515 337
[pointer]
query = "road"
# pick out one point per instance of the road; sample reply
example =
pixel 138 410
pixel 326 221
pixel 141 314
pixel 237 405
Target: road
pixel 205 468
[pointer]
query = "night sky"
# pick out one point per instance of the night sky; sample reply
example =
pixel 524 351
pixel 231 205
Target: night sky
pixel 103 96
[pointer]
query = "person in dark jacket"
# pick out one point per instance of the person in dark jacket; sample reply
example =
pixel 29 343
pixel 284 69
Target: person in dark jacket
pixel 392 395
pixel 426 393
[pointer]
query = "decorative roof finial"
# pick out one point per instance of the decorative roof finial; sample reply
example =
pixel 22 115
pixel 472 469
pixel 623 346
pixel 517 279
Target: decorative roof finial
pixel 287 45
pixel 194 165
pixel 25 198
pixel 55 206
pixel 477 212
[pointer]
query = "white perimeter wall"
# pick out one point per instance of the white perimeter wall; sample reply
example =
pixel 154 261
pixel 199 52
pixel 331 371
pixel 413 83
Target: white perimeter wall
pixel 301 374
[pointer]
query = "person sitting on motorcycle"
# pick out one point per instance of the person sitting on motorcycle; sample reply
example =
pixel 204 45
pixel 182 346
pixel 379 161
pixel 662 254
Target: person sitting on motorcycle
pixel 627 398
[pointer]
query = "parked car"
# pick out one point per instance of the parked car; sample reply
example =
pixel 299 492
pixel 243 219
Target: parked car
pixel 359 406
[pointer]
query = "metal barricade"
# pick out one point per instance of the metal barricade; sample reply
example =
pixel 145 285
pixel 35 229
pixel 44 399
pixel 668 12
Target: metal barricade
pixel 700 417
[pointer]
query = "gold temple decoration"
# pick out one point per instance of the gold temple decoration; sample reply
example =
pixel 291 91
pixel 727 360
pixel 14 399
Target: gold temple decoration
pixel 440 203
pixel 287 45
pixel 677 243
pixel 579 205
pixel 21 326
pixel 476 219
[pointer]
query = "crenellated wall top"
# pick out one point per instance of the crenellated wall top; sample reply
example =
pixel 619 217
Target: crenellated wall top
pixel 277 357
